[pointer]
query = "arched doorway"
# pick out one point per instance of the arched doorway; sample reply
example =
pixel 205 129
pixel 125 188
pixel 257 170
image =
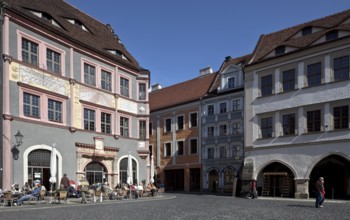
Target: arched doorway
pixel 39 167
pixel 213 180
pixel 336 172
pixel 229 173
pixel 277 181
pixel 123 170
pixel 95 173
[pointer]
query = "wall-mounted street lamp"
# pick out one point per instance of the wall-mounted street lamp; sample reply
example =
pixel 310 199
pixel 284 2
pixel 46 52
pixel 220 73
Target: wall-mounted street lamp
pixel 15 150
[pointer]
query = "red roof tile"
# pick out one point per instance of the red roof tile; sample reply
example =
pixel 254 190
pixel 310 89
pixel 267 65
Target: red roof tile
pixel 185 92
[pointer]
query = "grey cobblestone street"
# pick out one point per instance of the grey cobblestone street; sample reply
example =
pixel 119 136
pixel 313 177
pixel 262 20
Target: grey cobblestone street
pixel 184 207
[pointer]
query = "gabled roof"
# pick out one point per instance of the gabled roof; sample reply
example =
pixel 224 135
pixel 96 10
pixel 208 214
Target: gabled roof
pixel 99 37
pixel 286 37
pixel 242 61
pixel 181 93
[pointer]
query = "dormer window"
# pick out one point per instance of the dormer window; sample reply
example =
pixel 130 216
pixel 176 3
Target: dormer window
pixel 306 31
pixel 280 50
pixel 46 17
pixel 118 53
pixel 78 24
pixel 332 35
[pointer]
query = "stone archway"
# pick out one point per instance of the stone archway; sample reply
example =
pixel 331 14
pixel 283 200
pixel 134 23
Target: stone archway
pixel 276 180
pixel 336 171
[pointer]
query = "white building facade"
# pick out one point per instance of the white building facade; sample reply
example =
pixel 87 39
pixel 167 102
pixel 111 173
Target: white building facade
pixel 297 100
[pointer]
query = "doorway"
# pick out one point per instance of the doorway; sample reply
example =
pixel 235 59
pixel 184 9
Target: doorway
pixel 95 173
pixel 39 167
pixel 277 181
pixel 336 172
pixel 213 181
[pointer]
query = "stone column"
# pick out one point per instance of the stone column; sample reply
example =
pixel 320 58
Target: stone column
pixel 301 189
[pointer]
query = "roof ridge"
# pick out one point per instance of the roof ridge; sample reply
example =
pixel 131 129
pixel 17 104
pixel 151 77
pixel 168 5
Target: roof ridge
pixel 85 13
pixel 308 22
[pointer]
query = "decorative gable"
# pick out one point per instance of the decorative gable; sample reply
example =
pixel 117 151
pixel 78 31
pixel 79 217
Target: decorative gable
pixel 231 77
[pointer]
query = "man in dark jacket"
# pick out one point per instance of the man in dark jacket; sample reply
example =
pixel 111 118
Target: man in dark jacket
pixel 65 181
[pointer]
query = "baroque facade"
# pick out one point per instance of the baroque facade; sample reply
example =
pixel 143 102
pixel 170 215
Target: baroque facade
pixel 297 110
pixel 223 128
pixel 68 82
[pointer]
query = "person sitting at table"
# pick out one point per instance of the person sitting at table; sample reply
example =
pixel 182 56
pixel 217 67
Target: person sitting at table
pixel 15 189
pixel 151 188
pixel 26 188
pixel 140 189
pixel 34 194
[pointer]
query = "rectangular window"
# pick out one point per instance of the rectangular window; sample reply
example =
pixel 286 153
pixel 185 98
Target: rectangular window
pixel 180 148
pixel 266 85
pixel 223 152
pixel 231 82
pixel 210 153
pixel 341 68
pixel 142 91
pixel 332 35
pixel 31 105
pixel 288 124
pixel 89 119
pixel 193 120
pixel 280 50
pixel 306 31
pixel 53 61
pixel 236 104
pixel 106 80
pixel 193 146
pixel 210 110
pixel 124 127
pixel 288 80
pixel 180 122
pixel 30 52
pixel 89 74
pixel 150 130
pixel 341 117
pixel 124 87
pixel 223 107
pixel 314 121
pixel 223 130
pixel 167 127
pixel 314 74
pixel 105 123
pixel 236 128
pixel 142 130
pixel 266 127
pixel 211 131
pixel 54 110
pixel 167 149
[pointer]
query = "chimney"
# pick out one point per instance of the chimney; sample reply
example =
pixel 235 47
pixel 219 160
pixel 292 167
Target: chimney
pixel 156 87
pixel 228 58
pixel 205 71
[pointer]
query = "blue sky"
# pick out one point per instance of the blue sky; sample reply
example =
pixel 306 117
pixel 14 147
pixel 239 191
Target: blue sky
pixel 174 39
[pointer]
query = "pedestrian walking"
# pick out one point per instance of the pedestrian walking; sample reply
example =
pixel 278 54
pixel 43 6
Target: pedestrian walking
pixel 320 192
pixel 84 188
pixel 253 191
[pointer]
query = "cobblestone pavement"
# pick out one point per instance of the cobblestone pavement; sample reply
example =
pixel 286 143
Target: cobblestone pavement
pixel 184 207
